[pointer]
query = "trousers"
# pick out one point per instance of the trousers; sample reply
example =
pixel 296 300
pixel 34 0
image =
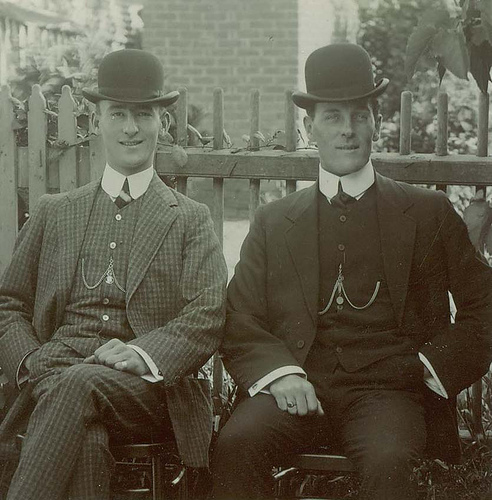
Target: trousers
pixel 381 428
pixel 79 409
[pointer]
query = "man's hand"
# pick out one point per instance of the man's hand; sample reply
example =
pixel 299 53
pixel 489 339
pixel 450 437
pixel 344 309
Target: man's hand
pixel 295 395
pixel 116 354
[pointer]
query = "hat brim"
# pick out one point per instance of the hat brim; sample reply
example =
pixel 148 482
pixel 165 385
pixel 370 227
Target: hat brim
pixel 165 100
pixel 305 100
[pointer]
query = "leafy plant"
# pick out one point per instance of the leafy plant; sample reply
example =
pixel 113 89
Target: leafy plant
pixel 458 36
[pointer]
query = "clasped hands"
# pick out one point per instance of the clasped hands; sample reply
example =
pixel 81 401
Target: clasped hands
pixel 296 395
pixel 118 355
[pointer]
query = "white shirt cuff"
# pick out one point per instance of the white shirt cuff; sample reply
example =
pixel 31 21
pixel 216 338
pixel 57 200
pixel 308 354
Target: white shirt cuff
pixel 260 385
pixel 155 375
pixel 431 379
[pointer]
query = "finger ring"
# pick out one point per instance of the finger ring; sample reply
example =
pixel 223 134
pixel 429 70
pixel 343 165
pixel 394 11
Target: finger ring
pixel 290 404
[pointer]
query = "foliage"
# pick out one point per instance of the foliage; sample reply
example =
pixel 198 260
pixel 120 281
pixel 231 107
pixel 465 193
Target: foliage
pixel 459 36
pixel 384 33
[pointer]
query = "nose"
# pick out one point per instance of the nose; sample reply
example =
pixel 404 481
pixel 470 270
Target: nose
pixel 347 127
pixel 131 127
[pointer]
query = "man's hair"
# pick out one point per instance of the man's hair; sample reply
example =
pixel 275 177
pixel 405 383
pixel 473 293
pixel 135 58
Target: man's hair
pixel 373 103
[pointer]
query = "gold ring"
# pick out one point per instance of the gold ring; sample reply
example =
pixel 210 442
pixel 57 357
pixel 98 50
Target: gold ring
pixel 290 404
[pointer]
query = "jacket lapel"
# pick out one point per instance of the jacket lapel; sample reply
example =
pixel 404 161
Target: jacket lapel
pixel 157 213
pixel 72 221
pixel 397 231
pixel 302 241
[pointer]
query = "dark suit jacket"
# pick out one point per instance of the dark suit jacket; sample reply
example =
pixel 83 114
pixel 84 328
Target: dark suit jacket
pixel 175 294
pixel 273 297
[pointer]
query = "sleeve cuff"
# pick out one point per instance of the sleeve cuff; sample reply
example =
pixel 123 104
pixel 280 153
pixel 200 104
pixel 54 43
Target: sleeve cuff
pixel 155 374
pixel 431 379
pixel 260 385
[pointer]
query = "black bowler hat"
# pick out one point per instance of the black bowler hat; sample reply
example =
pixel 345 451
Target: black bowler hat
pixel 338 72
pixel 131 76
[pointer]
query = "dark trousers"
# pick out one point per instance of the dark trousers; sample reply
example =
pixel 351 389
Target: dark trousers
pixel 381 430
pixel 78 409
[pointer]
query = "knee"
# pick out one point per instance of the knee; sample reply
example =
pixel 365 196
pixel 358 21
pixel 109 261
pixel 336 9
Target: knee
pixel 387 458
pixel 81 379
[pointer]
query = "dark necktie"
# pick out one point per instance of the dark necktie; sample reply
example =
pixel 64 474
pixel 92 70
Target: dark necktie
pixel 124 197
pixel 341 199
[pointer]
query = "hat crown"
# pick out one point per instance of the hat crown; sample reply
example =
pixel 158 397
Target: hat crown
pixel 131 76
pixel 338 72
pixel 337 66
pixel 131 73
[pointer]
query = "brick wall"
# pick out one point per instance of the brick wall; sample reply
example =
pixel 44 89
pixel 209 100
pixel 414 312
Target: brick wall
pixel 234 44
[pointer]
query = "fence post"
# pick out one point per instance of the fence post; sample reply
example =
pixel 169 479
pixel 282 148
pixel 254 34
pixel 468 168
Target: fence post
pixel 97 155
pixel 218 182
pixel 442 124
pixel 406 123
pixel 483 124
pixel 290 135
pixel 37 129
pixel 8 175
pixel 254 109
pixel 182 131
pixel 254 144
pixel 67 132
pixel 218 218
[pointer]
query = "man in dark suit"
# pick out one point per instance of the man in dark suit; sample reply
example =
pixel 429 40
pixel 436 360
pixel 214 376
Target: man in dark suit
pixel 113 300
pixel 338 323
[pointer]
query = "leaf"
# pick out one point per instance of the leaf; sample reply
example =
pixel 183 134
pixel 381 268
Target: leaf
pixel 478 34
pixel 179 156
pixel 480 64
pixel 485 7
pixel 417 44
pixel 258 135
pixel 476 216
pixel 441 70
pixel 450 47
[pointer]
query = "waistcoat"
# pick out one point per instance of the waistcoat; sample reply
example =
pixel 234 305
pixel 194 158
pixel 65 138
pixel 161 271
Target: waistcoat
pixel 96 308
pixel 352 331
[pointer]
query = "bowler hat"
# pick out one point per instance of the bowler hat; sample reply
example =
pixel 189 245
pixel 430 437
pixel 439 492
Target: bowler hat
pixel 338 72
pixel 131 76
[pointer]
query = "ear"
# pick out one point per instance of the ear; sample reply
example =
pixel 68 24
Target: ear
pixel 377 128
pixel 308 125
pixel 94 119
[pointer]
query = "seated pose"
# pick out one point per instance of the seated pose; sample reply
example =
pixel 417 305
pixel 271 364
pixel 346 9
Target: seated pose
pixel 113 299
pixel 338 322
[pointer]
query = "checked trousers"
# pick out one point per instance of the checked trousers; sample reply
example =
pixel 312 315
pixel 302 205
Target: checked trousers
pixel 79 407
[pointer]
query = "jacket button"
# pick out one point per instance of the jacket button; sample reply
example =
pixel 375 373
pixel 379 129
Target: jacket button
pixel 300 344
pixel 339 349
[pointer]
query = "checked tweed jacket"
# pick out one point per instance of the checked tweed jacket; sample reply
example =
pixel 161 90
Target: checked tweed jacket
pixel 174 300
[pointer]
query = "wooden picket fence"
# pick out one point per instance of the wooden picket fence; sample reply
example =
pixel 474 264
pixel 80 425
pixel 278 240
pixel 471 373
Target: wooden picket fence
pixel 73 166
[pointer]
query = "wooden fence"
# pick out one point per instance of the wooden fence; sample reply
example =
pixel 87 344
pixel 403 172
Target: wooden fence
pixel 42 169
pixel 17 35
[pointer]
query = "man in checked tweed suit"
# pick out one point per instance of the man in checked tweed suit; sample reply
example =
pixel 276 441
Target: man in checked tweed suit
pixel 113 299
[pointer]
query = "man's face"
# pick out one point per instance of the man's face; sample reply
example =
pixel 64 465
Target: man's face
pixel 344 132
pixel 129 133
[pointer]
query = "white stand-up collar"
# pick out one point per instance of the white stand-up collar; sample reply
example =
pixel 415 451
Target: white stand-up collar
pixel 354 184
pixel 112 181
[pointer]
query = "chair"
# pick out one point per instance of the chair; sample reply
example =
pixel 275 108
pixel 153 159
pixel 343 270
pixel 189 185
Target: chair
pixel 153 468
